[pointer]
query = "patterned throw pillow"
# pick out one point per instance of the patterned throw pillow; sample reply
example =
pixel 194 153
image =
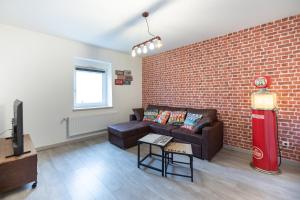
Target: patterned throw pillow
pixel 177 117
pixel 163 117
pixel 191 120
pixel 150 115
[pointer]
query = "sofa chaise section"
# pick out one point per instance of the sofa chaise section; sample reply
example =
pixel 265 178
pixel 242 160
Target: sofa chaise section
pixel 125 135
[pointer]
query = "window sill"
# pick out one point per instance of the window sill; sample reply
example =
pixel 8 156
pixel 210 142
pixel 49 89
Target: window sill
pixel 92 108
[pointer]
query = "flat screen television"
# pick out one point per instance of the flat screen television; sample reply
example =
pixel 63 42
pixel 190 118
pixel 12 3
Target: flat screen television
pixel 17 128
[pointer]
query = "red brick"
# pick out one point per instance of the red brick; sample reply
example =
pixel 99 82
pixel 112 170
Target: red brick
pixel 219 72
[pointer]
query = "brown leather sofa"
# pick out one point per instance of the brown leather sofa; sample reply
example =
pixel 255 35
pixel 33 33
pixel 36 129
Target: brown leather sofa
pixel 206 139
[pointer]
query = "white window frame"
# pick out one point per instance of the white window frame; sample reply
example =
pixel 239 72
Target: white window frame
pixel 101 67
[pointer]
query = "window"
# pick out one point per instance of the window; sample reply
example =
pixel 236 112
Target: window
pixel 92 84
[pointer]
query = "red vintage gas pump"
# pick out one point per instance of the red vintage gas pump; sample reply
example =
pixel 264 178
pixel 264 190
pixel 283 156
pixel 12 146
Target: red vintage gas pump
pixel 264 128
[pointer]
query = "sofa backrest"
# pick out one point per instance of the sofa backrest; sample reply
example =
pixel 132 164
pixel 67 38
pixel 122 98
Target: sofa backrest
pixel 209 114
pixel 150 106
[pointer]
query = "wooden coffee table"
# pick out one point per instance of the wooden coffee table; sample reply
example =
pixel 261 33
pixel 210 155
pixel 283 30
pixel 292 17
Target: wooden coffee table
pixel 158 140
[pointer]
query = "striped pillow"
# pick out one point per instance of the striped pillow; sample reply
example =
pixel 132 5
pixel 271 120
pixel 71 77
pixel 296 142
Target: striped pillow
pixel 150 115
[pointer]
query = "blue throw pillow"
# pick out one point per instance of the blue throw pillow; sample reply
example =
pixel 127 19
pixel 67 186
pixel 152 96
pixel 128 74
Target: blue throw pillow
pixel 191 120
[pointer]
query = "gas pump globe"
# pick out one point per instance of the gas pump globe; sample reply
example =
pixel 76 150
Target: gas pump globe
pixel 264 128
pixel 264 100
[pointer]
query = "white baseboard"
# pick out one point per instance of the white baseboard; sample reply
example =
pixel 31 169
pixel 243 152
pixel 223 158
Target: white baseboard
pixel 238 149
pixel 70 141
pixel 284 161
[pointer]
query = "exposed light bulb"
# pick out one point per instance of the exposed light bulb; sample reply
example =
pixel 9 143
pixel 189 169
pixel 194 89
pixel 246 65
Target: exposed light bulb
pixel 151 46
pixel 158 43
pixel 133 53
pixel 145 50
pixel 139 50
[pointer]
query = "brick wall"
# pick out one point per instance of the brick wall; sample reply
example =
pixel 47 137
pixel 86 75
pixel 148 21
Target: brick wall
pixel 218 73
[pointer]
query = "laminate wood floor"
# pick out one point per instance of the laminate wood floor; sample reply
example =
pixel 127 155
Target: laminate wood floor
pixel 95 169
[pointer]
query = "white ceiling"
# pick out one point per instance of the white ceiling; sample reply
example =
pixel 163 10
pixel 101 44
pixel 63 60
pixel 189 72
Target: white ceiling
pixel 118 25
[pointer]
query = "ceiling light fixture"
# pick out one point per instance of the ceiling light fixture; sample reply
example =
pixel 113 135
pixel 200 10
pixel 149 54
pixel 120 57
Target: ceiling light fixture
pixel 151 44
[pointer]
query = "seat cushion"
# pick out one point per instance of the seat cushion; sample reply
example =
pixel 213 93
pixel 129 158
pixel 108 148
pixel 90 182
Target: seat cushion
pixel 162 129
pixel 186 135
pixel 128 129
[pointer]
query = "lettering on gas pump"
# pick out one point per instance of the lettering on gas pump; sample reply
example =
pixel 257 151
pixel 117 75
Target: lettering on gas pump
pixel 262 82
pixel 257 153
pixel 256 116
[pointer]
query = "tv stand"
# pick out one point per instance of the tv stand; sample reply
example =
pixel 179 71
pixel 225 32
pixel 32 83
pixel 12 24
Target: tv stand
pixel 17 170
pixel 12 155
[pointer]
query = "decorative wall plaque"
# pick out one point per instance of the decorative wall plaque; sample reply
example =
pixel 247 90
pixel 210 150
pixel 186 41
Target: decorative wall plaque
pixel 124 77
pixel 119 81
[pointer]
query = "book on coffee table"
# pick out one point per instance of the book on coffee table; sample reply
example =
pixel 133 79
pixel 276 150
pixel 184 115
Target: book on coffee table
pixel 182 148
pixel 156 139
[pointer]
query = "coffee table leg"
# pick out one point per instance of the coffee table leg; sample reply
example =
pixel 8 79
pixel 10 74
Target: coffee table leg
pixel 166 163
pixel 138 156
pixel 162 161
pixel 191 166
pixel 150 150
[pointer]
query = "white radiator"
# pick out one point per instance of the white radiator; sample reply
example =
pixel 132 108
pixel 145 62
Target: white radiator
pixel 79 125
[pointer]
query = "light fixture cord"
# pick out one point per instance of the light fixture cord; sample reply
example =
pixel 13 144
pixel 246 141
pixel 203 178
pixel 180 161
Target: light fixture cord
pixel 148 28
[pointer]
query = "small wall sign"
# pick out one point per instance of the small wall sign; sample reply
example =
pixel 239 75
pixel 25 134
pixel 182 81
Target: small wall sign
pixel 127 72
pixel 126 82
pixel 119 72
pixel 124 77
pixel 119 81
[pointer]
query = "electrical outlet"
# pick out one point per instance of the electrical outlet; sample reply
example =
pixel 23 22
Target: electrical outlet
pixel 285 143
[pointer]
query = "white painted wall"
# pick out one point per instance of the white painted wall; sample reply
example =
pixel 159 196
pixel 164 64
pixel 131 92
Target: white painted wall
pixel 38 69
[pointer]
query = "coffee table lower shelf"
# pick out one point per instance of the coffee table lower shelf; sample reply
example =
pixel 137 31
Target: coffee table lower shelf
pixel 149 155
pixel 158 140
pixel 169 159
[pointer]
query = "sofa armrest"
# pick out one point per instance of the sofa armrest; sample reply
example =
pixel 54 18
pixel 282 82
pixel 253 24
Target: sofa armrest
pixel 132 117
pixel 139 113
pixel 213 139
pixel 204 122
